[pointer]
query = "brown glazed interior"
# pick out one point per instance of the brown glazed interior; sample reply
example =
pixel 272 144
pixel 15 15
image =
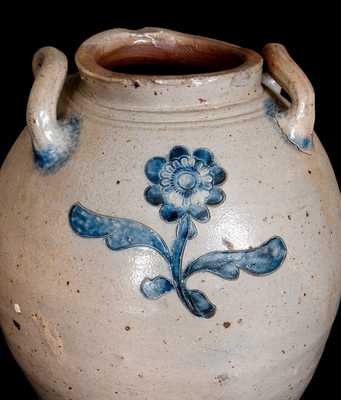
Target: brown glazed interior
pixel 148 59
pixel 154 52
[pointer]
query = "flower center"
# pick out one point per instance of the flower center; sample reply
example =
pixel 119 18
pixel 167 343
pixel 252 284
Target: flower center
pixel 187 181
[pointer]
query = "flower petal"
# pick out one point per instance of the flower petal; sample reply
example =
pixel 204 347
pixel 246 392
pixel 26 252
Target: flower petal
pixel 184 162
pixel 178 151
pixel 200 213
pixel 169 168
pixel 216 196
pixel 202 169
pixel 218 174
pixel 200 197
pixel 170 213
pixel 165 182
pixel 174 198
pixel 153 195
pixel 176 164
pixel 165 174
pixel 206 185
pixel 153 167
pixel 203 155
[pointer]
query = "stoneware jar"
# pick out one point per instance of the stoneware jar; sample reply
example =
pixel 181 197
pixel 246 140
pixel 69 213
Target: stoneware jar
pixel 170 224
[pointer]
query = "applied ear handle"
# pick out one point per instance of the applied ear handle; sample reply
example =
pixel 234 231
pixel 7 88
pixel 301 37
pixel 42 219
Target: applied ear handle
pixel 53 140
pixel 297 122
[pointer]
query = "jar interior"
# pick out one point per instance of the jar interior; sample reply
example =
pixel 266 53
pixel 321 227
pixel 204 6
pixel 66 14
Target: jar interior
pixel 171 59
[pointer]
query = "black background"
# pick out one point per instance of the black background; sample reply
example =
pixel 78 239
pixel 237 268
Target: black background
pixel 309 34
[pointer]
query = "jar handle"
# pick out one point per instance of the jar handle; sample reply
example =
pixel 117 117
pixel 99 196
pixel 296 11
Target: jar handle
pixel 297 122
pixel 53 140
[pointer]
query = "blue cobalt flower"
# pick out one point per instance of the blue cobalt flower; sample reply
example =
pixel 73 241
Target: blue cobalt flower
pixel 185 183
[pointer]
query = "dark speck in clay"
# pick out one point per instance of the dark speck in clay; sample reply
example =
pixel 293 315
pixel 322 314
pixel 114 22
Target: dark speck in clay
pixel 221 379
pixel 17 325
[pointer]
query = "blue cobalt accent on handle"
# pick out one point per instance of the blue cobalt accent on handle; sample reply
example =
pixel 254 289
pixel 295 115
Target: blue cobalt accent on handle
pixel 52 157
pixel 184 185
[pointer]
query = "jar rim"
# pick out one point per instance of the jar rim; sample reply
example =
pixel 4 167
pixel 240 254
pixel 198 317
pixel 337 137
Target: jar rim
pixel 102 56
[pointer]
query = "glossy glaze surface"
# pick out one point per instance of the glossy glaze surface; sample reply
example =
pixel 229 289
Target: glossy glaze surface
pixel 86 330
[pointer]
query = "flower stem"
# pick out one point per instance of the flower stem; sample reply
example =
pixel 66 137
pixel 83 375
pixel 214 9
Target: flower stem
pixel 176 260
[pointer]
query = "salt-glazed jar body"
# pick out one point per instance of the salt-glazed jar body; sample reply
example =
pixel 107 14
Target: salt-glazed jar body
pixel 168 235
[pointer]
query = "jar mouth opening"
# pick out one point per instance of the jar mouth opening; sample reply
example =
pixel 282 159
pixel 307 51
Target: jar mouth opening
pixel 154 53
pixel 163 60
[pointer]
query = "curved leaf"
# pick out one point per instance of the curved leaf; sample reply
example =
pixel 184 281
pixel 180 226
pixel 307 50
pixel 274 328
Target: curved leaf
pixel 199 305
pixel 260 260
pixel 119 233
pixel 155 288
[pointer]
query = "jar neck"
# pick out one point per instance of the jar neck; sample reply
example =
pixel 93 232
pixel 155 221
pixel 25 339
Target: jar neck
pixel 234 74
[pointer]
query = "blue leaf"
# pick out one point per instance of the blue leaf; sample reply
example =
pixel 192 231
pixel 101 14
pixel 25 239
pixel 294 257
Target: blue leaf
pixel 119 233
pixel 199 305
pixel 155 288
pixel 259 261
